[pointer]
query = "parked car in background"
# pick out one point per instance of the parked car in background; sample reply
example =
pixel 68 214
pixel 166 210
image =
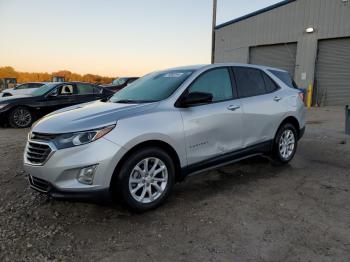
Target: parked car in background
pixel 120 83
pixel 163 127
pixel 22 89
pixel 22 110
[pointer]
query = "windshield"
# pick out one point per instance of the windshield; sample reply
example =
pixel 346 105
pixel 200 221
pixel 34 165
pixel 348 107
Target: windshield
pixel 119 81
pixel 152 87
pixel 44 89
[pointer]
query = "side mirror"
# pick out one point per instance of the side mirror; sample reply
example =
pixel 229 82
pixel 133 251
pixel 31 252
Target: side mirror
pixel 196 98
pixel 53 94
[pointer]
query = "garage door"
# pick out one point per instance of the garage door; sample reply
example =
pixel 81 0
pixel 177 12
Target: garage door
pixel 333 72
pixel 280 56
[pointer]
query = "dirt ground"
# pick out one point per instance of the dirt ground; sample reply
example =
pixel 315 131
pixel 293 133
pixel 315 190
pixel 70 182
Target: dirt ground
pixel 250 211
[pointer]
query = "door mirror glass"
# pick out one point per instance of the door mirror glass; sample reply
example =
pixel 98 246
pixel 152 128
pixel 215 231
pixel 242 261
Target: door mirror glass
pixel 196 98
pixel 54 93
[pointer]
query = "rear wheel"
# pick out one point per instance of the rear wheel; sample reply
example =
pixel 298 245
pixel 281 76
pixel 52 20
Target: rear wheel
pixel 20 117
pixel 285 144
pixel 146 179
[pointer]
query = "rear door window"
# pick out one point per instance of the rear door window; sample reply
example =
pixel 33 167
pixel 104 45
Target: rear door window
pixel 66 90
pixel 249 81
pixel 270 85
pixel 87 89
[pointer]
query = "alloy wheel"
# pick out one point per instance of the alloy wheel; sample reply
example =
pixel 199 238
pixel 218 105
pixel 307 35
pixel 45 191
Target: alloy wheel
pixel 22 117
pixel 148 180
pixel 287 144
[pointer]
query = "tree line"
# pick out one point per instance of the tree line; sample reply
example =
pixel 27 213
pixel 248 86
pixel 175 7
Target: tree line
pixel 24 77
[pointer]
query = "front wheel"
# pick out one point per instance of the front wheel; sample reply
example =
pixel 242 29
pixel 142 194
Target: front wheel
pixel 285 144
pixel 146 179
pixel 20 117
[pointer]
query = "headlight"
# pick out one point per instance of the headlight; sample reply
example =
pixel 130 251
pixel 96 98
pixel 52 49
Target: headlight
pixel 3 105
pixel 81 138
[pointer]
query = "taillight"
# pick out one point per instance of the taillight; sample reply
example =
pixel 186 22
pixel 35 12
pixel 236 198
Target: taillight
pixel 302 96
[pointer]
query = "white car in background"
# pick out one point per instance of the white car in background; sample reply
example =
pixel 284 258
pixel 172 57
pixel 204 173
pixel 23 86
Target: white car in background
pixel 23 89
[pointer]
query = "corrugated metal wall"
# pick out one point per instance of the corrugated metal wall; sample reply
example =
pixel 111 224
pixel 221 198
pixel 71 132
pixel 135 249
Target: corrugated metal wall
pixel 285 24
pixel 280 56
pixel 333 72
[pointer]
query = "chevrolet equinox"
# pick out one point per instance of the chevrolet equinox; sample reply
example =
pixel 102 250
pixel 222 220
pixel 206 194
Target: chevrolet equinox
pixel 163 127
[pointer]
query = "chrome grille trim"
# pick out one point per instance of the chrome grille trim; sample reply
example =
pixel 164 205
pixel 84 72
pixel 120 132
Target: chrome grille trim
pixel 42 136
pixel 37 153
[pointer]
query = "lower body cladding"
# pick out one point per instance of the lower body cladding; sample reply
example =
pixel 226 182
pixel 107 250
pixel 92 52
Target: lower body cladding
pixel 82 172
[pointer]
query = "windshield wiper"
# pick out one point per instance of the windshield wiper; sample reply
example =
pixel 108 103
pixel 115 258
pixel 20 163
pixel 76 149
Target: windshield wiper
pixel 125 101
pixel 129 101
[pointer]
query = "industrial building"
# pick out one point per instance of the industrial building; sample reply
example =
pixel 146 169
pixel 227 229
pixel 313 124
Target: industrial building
pixel 308 38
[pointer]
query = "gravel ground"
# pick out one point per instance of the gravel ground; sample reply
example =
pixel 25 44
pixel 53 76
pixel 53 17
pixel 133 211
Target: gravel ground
pixel 251 211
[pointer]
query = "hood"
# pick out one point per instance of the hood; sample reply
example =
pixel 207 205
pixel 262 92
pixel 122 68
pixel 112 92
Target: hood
pixel 87 116
pixel 8 90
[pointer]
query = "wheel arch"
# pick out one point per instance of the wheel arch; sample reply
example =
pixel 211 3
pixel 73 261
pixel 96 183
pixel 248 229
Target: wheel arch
pixel 149 143
pixel 291 120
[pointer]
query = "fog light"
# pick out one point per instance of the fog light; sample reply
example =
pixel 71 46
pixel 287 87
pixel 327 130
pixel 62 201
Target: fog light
pixel 86 175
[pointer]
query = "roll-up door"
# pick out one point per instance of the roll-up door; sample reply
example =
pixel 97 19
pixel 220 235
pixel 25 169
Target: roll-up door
pixel 332 80
pixel 281 56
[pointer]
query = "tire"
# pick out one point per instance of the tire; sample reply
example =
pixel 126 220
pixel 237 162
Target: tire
pixel 154 188
pixel 285 144
pixel 20 117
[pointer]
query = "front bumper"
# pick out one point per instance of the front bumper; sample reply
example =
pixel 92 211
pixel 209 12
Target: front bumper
pixel 45 187
pixel 58 175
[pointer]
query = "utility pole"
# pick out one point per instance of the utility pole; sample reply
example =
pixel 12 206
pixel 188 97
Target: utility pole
pixel 215 3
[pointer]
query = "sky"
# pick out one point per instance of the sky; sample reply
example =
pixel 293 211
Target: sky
pixel 111 37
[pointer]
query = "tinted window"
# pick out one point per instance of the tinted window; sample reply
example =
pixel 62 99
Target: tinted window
pixel 131 80
pixel 270 85
pixel 152 87
pixel 44 89
pixel 216 82
pixel 119 81
pixel 65 90
pixel 285 78
pixel 35 85
pixel 20 87
pixel 249 82
pixel 86 89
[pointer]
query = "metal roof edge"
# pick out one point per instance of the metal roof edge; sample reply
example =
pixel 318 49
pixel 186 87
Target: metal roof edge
pixel 260 11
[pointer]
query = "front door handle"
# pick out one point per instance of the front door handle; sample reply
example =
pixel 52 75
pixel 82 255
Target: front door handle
pixel 277 98
pixel 233 107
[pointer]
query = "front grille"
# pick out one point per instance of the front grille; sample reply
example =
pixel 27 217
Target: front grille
pixel 42 136
pixel 39 184
pixel 37 153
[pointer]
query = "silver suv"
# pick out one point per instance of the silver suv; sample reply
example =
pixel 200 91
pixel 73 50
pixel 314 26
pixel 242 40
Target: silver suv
pixel 162 128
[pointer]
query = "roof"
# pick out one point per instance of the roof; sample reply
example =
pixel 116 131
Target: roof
pixel 209 66
pixel 266 9
pixel 190 67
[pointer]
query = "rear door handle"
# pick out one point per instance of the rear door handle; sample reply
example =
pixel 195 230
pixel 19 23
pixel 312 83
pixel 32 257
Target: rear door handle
pixel 277 98
pixel 233 107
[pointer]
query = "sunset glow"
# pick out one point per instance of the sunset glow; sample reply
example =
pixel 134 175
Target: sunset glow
pixel 110 37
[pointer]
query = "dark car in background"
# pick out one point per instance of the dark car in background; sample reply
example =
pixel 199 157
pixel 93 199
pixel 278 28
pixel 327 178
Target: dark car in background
pixel 22 110
pixel 120 83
